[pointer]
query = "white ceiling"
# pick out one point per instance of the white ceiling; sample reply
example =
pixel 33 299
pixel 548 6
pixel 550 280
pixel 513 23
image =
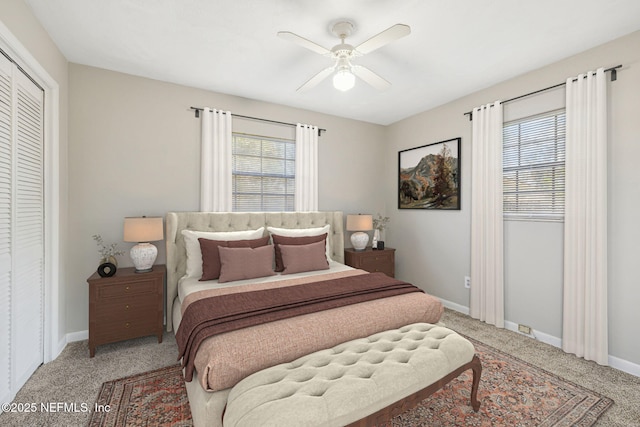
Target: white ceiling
pixel 455 47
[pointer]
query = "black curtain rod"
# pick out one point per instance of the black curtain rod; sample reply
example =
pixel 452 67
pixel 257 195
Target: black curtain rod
pixel 198 109
pixel 614 77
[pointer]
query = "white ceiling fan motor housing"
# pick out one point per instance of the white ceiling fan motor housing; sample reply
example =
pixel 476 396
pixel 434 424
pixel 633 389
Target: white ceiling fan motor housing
pixel 343 29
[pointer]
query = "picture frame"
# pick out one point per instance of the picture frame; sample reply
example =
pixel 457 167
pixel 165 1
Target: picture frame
pixel 429 176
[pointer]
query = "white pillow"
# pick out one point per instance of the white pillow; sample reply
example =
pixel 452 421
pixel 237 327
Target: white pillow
pixel 298 232
pixel 192 245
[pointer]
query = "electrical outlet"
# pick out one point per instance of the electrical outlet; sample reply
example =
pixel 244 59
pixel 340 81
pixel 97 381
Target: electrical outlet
pixel 524 329
pixel 467 282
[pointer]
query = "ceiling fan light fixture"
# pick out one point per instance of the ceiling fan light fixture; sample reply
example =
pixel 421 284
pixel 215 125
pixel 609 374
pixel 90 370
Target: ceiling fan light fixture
pixel 344 80
pixel 344 74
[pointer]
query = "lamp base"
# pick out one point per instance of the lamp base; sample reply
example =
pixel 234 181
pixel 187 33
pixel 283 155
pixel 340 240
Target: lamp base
pixel 143 256
pixel 359 240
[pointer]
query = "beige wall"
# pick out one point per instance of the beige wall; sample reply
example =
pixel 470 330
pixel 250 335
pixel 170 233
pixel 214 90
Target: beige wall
pixel 17 17
pixel 434 247
pixel 134 149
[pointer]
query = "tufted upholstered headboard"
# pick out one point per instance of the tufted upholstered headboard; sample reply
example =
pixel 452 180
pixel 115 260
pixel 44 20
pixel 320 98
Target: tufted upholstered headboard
pixel 238 221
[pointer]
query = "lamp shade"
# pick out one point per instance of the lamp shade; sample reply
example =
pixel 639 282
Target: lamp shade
pixel 359 222
pixel 143 229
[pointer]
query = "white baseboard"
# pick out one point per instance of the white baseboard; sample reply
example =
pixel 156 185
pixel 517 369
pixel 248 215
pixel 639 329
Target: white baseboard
pixel 540 336
pixel 61 345
pixel 624 365
pixel 77 336
pixel 614 362
pixel 456 307
pixel 70 337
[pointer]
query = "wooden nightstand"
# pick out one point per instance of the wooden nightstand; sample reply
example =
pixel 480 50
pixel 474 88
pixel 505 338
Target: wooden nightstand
pixel 126 305
pixel 382 260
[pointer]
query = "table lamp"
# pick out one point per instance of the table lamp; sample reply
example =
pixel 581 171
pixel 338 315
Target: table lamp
pixel 143 230
pixel 359 223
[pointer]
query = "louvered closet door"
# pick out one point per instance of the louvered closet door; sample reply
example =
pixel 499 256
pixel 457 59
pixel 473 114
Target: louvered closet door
pixel 28 249
pixel 5 226
pixel 21 227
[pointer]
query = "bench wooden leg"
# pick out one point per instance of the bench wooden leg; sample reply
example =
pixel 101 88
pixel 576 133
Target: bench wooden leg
pixel 413 400
pixel 476 366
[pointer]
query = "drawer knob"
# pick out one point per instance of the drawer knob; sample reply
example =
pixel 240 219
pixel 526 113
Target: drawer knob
pixel 127 288
pixel 126 306
pixel 126 325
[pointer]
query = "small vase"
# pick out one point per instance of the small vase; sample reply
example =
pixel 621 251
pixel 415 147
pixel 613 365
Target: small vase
pixel 107 269
pixel 376 238
pixel 108 266
pixel 110 259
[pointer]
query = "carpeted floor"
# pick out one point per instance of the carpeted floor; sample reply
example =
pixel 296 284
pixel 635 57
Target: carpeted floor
pixel 512 393
pixel 75 379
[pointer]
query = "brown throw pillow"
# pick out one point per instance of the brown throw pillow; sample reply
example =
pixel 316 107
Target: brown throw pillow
pixel 211 256
pixel 245 263
pixel 300 258
pixel 283 240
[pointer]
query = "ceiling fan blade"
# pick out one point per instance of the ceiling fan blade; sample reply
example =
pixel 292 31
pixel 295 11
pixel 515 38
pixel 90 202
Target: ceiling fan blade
pixel 304 42
pixel 313 81
pixel 370 77
pixel 387 36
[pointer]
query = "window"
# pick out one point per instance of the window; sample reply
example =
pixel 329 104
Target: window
pixel 263 174
pixel 533 167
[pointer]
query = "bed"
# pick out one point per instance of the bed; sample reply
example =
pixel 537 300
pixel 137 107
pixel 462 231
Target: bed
pixel 219 361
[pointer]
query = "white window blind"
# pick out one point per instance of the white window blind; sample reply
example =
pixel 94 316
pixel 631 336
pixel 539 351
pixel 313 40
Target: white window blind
pixel 533 167
pixel 263 174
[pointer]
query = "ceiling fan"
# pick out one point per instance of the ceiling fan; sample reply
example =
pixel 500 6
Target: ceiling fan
pixel 344 72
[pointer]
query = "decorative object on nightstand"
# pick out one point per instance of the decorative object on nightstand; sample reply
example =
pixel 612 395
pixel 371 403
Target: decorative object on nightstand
pixel 359 224
pixel 379 224
pixel 108 262
pixel 126 305
pixel 381 260
pixel 143 230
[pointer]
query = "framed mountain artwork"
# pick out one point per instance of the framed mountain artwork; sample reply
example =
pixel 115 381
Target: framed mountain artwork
pixel 429 176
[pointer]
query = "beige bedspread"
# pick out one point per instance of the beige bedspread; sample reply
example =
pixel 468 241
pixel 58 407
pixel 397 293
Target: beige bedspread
pixel 225 359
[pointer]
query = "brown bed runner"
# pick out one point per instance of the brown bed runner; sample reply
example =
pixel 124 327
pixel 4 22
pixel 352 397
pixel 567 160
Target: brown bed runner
pixel 226 313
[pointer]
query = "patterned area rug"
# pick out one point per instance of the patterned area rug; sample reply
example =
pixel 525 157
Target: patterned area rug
pixel 155 398
pixel 512 393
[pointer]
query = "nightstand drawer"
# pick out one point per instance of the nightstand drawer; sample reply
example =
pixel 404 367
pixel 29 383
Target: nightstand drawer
pixel 122 307
pixel 130 305
pixel 122 329
pixel 373 261
pixel 373 258
pixel 386 268
pixel 127 289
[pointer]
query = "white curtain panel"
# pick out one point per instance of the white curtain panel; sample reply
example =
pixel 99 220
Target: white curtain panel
pixel 216 169
pixel 306 198
pixel 487 260
pixel 584 326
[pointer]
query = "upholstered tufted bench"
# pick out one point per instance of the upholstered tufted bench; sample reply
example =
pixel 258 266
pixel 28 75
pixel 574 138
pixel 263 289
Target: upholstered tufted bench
pixel 360 382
